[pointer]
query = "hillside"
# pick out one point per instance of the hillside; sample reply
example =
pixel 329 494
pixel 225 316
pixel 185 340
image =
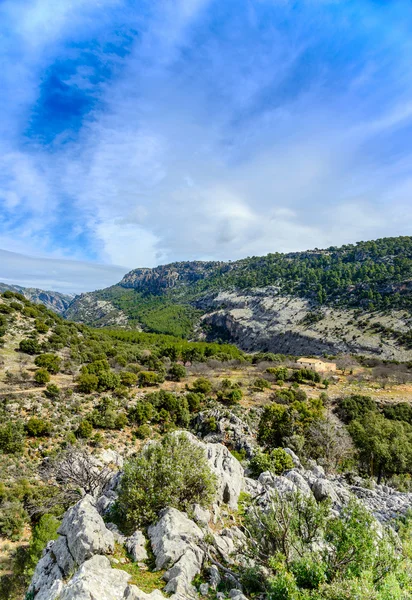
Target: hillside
pixel 357 298
pixel 78 403
pixel 55 301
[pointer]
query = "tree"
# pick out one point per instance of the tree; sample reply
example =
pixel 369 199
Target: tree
pixel 173 472
pixel 87 383
pixel 148 378
pixel 277 461
pixel 128 379
pixel 29 346
pixel 85 429
pixel 177 372
pixel 42 376
pixel 49 361
pixel 202 386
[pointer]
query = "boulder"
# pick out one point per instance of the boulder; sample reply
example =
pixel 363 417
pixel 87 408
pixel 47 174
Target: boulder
pixel 230 474
pixel 175 544
pixel 47 581
pixel 299 482
pixel 323 489
pixel 85 531
pixel 96 580
pixel 201 515
pixel 136 546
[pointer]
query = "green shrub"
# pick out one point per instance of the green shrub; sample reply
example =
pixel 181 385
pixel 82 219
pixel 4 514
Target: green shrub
pixel 277 461
pixel 147 378
pixel 128 379
pixel 309 573
pixel 85 429
pixel 29 346
pixel 12 437
pixel 43 532
pixel 177 372
pixel 42 376
pixel 194 401
pixel 143 432
pixel 51 362
pixel 283 587
pixel 355 407
pixel 107 416
pixel 108 381
pixel 261 384
pixel 173 472
pixel 13 518
pixel 52 391
pixel 36 427
pixel 41 326
pixel 202 386
pixel 87 383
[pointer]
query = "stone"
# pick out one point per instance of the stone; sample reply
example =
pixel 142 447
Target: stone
pixel 204 589
pixel 62 556
pixel 136 546
pixel 237 595
pixel 85 531
pixel 299 481
pixel 174 541
pixel 294 457
pixel 214 577
pixel 96 580
pixel 230 474
pixel 117 534
pixel 323 489
pixel 281 484
pixel 201 515
pixel 47 581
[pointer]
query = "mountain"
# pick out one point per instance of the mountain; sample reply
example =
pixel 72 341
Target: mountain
pixel 356 298
pixel 55 301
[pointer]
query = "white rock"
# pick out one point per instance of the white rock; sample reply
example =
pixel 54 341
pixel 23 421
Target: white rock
pixel 201 515
pixel 85 531
pixel 136 546
pixel 96 580
pixel 204 589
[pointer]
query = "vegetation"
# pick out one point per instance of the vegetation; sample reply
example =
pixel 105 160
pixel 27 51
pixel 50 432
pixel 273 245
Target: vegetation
pixel 173 472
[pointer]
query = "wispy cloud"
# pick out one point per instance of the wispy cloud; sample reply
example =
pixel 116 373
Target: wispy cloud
pixel 202 129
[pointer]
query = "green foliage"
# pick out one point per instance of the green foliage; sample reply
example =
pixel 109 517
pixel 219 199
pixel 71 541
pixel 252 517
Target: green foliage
pixel 261 384
pixel 277 461
pixel 107 415
pixel 148 378
pixel 300 375
pixel 41 326
pixel 87 383
pixel 85 429
pixel 42 376
pixel 177 372
pixel 202 386
pixel 173 472
pixel 12 437
pixel 128 379
pixel 280 373
pixel 354 407
pixel 29 346
pixel 43 532
pixel 36 427
pixel 108 380
pixel 143 432
pixel 279 421
pixel 52 391
pixel 13 518
pixel 51 362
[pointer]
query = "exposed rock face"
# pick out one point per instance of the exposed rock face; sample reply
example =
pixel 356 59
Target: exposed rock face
pixel 169 276
pixel 55 301
pixel 86 308
pixel 85 531
pixel 230 428
pixel 136 546
pixel 175 543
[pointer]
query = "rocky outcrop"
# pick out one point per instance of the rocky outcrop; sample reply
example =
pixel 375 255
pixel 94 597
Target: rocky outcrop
pixel 175 541
pixel 55 301
pixel 76 565
pixel 230 429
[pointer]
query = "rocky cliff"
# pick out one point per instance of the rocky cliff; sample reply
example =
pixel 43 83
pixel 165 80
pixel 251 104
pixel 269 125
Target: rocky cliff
pixel 55 301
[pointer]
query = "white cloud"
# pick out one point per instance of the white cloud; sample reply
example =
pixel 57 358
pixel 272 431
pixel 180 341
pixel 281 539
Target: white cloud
pixel 67 276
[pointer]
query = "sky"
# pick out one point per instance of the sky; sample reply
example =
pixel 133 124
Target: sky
pixel 137 133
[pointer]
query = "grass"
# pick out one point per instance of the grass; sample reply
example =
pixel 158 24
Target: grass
pixel 145 580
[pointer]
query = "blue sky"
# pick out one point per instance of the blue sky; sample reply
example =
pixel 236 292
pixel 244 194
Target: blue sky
pixel 138 133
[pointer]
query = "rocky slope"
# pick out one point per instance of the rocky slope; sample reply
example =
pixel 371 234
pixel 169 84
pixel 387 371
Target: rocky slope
pixel 80 565
pixel 55 301
pixel 354 299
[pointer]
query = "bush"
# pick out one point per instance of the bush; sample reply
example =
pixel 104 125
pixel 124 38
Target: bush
pixel 355 407
pixel 42 376
pixel 36 427
pixel 29 346
pixel 177 372
pixel 173 472
pixel 13 517
pixel 128 379
pixel 43 532
pixel 194 401
pixel 261 384
pixel 108 381
pixel 84 430
pixel 52 391
pixel 202 386
pixel 12 437
pixel 143 432
pixel 41 326
pixel 107 416
pixel 147 378
pixel 87 383
pixel 51 362
pixel 278 461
